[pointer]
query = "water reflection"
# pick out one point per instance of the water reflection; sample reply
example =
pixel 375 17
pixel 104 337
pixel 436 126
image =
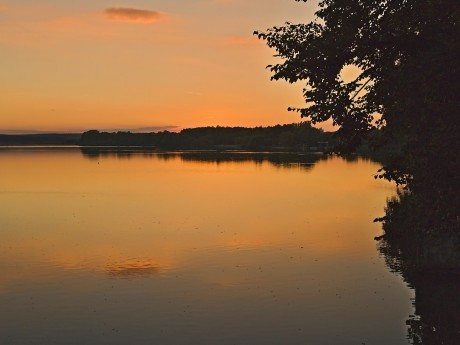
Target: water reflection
pixel 421 242
pixel 437 300
pixel 178 251
pixel 286 159
pixel 132 268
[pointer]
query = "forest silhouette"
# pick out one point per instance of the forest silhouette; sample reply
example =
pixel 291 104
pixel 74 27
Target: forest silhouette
pixel 298 137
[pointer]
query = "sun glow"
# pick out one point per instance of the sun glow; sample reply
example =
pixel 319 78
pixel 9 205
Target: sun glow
pixel 73 67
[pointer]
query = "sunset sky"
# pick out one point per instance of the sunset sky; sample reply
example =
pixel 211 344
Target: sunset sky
pixel 111 64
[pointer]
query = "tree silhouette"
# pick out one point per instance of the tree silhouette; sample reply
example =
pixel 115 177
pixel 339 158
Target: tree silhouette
pixel 407 53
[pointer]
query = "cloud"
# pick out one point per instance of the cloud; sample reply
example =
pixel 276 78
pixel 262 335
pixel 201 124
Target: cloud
pixel 26 131
pixel 132 15
pixel 169 128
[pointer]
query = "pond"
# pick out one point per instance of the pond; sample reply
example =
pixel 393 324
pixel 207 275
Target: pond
pixel 194 248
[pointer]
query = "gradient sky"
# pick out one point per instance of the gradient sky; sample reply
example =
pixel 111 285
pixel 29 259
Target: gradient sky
pixel 111 64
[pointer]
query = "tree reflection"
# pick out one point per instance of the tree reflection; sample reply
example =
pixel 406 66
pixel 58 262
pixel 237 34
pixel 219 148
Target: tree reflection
pixel 290 160
pixel 430 264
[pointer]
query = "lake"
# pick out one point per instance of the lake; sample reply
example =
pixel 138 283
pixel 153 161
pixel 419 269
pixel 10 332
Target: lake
pixel 194 248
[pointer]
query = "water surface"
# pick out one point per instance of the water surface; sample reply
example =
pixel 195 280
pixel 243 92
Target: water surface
pixel 193 249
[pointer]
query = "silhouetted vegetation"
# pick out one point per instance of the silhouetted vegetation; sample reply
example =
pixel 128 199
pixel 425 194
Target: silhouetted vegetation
pixel 407 53
pixel 293 137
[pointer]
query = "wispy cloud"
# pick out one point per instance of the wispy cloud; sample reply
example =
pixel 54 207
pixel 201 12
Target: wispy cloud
pixel 169 128
pixel 132 15
pixel 35 131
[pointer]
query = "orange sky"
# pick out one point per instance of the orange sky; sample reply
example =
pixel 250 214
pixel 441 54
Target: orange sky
pixel 72 66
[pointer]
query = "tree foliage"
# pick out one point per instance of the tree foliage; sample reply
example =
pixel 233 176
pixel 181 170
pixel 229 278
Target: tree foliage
pixel 408 54
pixel 389 40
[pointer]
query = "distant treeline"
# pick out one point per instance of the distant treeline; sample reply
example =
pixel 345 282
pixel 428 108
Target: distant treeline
pixel 299 137
pixel 39 139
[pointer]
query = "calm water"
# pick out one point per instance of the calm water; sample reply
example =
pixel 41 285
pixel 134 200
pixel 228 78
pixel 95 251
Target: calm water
pixel 190 249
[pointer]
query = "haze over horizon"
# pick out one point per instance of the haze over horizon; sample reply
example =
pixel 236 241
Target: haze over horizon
pixel 81 130
pixel 69 67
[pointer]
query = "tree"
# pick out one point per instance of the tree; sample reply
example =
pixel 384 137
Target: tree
pixel 408 54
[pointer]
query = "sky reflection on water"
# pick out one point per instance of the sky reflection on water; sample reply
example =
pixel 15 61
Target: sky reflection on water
pixel 180 251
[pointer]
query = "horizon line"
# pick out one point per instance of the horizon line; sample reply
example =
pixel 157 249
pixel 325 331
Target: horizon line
pixel 151 129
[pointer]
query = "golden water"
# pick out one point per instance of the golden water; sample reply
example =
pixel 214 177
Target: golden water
pixel 164 249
